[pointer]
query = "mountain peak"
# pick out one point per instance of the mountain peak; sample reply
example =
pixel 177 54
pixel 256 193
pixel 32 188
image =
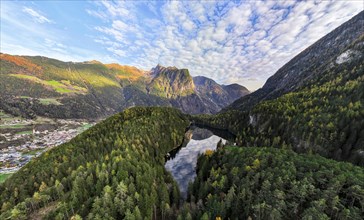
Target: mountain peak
pixel 202 80
pixel 108 88
pixel 309 65
pixel 93 62
pixel 159 68
pixel 171 81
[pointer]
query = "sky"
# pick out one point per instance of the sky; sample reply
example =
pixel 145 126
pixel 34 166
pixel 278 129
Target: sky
pixel 241 42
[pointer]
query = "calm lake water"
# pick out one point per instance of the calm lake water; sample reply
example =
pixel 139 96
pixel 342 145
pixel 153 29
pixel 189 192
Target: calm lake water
pixel 183 161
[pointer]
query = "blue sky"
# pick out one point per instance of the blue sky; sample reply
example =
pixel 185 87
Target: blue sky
pixel 241 42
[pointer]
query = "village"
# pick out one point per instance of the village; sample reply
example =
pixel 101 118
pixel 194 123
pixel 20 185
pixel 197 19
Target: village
pixel 21 147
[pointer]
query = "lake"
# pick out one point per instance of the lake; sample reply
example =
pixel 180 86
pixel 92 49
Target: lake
pixel 183 160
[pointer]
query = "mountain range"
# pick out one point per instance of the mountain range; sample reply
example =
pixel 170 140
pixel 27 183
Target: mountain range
pixel 313 104
pixel 298 151
pixel 32 86
pixel 339 46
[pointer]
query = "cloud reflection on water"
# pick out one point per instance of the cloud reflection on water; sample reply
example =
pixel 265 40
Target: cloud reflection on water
pixel 182 166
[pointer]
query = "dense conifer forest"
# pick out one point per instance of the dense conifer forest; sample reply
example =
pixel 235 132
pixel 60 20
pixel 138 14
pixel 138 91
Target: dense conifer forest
pixel 112 171
pixel 325 116
pixel 297 155
pixel 115 171
pixel 268 183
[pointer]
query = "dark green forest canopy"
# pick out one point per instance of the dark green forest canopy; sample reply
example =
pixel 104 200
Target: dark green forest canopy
pixel 113 170
pixel 268 183
pixel 323 113
pixel 326 117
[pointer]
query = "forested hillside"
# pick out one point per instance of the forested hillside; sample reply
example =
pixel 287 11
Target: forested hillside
pixel 91 88
pixel 324 116
pixel 40 86
pixel 115 170
pixel 298 151
pixel 112 171
pixel 310 64
pixel 267 183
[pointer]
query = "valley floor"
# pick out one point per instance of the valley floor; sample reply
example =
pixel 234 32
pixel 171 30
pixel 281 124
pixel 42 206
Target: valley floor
pixel 22 139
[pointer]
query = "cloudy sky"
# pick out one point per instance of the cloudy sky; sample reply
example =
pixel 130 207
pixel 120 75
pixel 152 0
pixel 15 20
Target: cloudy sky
pixel 230 41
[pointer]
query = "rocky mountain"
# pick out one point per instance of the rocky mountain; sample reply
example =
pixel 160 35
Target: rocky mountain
pixel 194 95
pixel 32 86
pixel 313 104
pixel 236 91
pixel 277 167
pixel 310 65
pixel 170 82
pixel 218 95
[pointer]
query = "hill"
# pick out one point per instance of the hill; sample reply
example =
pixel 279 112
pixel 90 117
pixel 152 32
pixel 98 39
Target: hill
pixel 114 170
pixel 322 113
pixel 267 183
pixel 40 86
pixel 311 64
pixel 299 150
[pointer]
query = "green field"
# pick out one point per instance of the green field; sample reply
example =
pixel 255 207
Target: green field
pixel 86 126
pixel 59 87
pixel 4 176
pixel 56 85
pixel 25 132
pixel 49 101
pixel 13 126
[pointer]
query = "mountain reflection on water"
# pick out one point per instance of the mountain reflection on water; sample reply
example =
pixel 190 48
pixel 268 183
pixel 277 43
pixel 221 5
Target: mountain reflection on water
pixel 182 162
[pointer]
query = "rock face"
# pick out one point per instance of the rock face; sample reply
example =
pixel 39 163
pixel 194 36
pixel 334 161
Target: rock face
pixel 218 95
pixel 194 95
pixel 40 86
pixel 310 64
pixel 170 82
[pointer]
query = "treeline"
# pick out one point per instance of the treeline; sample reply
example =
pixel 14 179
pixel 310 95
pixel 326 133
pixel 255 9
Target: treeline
pixel 268 183
pixel 87 107
pixel 232 120
pixel 115 170
pixel 325 117
pixel 85 90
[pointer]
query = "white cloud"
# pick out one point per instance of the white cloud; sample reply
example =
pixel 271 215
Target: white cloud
pixel 188 25
pixel 119 25
pixel 120 53
pixel 117 9
pixel 97 14
pixel 227 41
pixel 36 15
pixel 118 35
